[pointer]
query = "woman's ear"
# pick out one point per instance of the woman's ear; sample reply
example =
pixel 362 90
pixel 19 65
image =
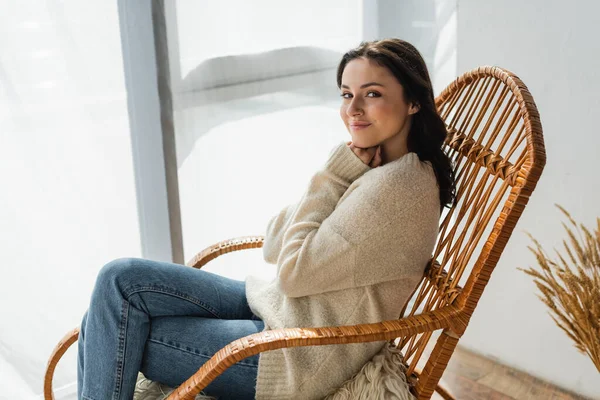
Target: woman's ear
pixel 414 108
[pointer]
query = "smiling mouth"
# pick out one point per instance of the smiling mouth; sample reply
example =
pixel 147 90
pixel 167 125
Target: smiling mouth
pixel 359 127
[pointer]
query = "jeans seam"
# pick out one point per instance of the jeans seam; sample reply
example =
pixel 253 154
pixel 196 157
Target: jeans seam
pixel 84 397
pixel 196 354
pixel 121 348
pixel 172 292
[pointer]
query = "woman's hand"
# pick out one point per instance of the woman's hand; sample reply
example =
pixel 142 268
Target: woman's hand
pixel 370 156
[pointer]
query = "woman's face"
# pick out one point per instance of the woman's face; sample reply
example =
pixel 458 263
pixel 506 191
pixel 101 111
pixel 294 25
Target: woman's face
pixel 373 106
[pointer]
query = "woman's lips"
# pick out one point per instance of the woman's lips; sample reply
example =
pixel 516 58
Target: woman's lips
pixel 358 126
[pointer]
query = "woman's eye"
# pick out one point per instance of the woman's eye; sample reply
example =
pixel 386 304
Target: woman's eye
pixel 369 94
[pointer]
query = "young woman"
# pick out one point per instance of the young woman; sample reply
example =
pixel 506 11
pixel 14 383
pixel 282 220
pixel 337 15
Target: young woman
pixel 350 251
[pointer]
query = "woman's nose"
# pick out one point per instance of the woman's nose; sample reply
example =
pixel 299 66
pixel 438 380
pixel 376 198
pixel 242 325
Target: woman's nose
pixel 355 108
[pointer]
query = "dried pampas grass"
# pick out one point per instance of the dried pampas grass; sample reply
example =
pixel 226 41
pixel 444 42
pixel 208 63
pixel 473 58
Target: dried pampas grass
pixel 570 285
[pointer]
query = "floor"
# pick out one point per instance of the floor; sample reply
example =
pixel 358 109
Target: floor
pixel 472 377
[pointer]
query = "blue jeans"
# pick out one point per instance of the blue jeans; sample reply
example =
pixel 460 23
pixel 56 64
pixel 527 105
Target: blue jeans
pixel 165 320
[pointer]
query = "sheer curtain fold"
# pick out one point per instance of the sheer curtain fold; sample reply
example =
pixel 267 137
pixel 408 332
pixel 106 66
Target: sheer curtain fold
pixel 255 95
pixel 68 199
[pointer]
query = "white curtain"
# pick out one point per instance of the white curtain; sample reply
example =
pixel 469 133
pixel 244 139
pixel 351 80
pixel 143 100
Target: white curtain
pixel 67 203
pixel 256 111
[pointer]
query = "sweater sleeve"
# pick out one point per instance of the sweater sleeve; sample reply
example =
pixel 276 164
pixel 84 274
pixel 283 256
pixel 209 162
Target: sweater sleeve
pixel 351 167
pixel 274 235
pixel 302 237
pixel 327 248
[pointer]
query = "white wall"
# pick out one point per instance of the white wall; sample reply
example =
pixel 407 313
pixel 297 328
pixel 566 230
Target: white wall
pixel 67 202
pixel 553 47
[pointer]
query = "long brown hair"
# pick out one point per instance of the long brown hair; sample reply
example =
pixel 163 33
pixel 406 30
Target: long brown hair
pixel 428 131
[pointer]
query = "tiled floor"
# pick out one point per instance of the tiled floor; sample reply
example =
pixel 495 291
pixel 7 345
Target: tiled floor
pixel 472 377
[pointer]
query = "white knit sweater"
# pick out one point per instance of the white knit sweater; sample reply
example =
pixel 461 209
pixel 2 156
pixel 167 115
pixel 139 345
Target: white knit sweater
pixel 350 252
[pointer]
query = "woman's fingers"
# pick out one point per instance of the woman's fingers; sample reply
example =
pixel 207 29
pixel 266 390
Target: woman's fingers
pixel 376 161
pixel 366 155
pixel 359 153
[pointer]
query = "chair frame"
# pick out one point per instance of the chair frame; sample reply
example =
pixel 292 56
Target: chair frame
pixel 451 315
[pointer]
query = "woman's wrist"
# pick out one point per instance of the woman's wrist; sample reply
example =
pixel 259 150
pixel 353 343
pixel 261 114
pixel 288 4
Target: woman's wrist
pixel 344 163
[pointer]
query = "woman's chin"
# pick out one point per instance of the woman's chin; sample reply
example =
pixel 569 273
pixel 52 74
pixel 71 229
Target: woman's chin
pixel 361 143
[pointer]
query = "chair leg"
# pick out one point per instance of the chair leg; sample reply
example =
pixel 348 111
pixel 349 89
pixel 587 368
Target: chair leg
pixel 429 378
pixel 444 393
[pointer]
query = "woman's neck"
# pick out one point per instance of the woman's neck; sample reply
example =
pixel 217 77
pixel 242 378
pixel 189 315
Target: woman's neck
pixel 394 148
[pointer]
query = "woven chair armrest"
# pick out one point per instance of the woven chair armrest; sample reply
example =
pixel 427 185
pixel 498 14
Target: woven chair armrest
pixel 60 349
pixel 224 247
pixel 448 317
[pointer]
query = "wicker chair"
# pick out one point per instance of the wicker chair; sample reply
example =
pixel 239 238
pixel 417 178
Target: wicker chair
pixel 495 140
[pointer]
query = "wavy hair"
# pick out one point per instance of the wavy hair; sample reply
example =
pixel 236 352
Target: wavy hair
pixel 428 130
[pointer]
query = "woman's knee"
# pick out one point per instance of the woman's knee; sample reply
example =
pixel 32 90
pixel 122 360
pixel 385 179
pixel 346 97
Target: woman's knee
pixel 118 271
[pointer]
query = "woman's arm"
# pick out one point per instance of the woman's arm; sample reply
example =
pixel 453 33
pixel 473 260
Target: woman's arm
pixel 360 242
pixel 280 222
pixel 305 220
pixel 278 225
